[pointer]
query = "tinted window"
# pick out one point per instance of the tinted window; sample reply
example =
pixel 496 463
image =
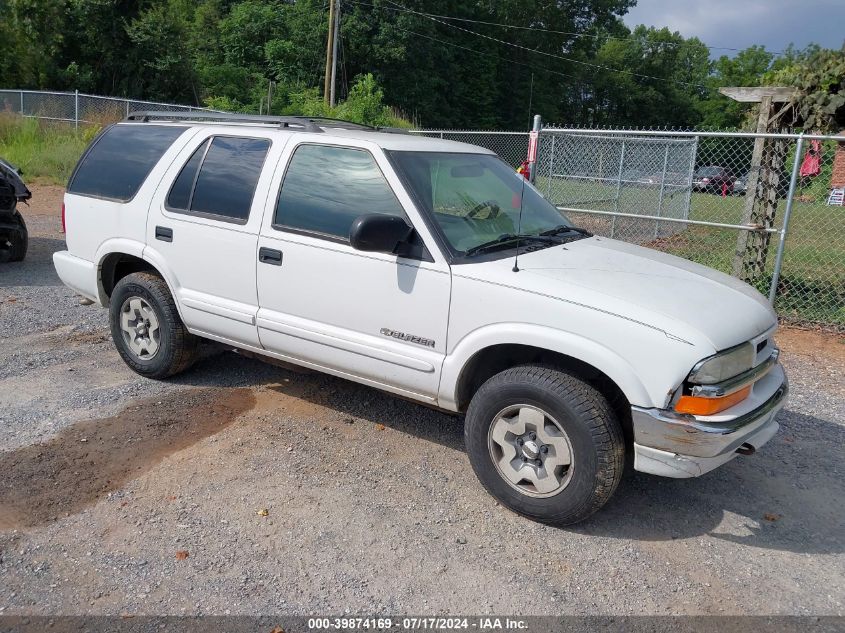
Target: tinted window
pixel 121 159
pixel 228 176
pixel 326 188
pixel 180 194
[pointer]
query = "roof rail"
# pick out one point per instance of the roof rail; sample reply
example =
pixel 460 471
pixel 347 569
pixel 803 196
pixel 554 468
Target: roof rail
pixel 304 123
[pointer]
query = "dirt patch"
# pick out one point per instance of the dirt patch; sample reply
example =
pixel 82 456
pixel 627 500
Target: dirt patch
pixel 46 200
pixel 825 347
pixel 293 397
pixel 88 338
pixel 44 482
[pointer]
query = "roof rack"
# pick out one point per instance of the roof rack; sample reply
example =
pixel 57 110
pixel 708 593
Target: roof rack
pixel 305 123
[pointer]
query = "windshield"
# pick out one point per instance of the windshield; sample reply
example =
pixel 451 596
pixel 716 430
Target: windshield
pixel 475 198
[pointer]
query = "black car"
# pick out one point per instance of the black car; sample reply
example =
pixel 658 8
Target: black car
pixel 13 234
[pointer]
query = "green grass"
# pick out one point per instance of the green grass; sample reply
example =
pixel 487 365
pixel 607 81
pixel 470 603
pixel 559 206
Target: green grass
pixel 45 152
pixel 811 289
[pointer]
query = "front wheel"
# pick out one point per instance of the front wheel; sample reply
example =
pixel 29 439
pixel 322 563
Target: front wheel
pixel 146 327
pixel 545 444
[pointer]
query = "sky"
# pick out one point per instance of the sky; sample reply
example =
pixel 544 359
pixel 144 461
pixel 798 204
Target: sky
pixel 741 23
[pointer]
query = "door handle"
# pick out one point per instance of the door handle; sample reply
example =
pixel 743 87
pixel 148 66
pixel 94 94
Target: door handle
pixel 164 234
pixel 270 256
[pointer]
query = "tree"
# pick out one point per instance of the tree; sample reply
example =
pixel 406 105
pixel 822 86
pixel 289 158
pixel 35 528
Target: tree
pixel 652 78
pixel 746 68
pixel 819 77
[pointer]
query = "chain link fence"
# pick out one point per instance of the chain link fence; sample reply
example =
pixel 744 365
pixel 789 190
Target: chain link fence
pixel 512 147
pixel 729 198
pixel 619 174
pixel 78 108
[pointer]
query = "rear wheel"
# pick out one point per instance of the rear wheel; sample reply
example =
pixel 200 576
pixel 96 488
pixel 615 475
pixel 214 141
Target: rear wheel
pixel 14 242
pixel 545 443
pixel 146 327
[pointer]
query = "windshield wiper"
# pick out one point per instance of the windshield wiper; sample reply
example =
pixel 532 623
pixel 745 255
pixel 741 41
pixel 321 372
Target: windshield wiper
pixel 510 237
pixel 564 228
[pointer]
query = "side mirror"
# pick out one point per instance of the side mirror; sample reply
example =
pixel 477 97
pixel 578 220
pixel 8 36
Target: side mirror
pixel 379 233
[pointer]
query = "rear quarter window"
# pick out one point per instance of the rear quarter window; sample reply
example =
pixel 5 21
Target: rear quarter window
pixel 120 159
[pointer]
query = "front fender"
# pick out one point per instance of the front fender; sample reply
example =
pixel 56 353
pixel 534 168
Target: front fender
pixel 583 349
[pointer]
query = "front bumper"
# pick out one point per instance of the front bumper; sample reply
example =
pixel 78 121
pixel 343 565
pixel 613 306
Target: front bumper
pixel 679 445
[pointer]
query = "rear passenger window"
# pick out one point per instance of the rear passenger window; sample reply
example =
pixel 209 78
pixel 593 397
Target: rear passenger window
pixel 219 179
pixel 120 160
pixel 326 188
pixel 180 194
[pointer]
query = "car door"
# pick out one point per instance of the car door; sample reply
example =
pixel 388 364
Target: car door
pixel 378 318
pixel 203 228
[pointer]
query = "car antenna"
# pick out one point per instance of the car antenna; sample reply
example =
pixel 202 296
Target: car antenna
pixel 519 224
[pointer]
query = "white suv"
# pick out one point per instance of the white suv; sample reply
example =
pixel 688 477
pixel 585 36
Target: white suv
pixel 390 259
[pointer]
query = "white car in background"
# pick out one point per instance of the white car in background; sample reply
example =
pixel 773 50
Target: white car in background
pixel 390 259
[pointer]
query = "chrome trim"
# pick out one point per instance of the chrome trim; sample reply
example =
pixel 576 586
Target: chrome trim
pixel 687 435
pixel 731 385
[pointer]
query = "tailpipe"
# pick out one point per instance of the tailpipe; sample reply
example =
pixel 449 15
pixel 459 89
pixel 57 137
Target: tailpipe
pixel 746 449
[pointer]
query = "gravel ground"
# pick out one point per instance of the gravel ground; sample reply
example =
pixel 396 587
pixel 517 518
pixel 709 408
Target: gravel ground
pixel 244 488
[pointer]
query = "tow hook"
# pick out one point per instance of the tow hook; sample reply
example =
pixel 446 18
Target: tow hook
pixel 746 449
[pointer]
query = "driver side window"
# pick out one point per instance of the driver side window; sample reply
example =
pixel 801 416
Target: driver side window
pixel 326 188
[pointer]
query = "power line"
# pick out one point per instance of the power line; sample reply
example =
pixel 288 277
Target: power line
pixel 541 29
pixel 485 54
pixel 568 59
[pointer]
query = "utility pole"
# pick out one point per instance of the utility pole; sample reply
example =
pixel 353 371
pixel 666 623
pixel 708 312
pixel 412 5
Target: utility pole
pixel 331 53
pixel 335 53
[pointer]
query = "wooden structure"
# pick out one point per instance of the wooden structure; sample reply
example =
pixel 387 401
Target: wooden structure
pixel 837 180
pixel 764 178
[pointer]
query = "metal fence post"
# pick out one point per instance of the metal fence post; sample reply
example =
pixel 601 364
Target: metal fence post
pixel 662 189
pixel 551 168
pixel 790 200
pixel 535 138
pixel 22 114
pixel 76 109
pixel 618 189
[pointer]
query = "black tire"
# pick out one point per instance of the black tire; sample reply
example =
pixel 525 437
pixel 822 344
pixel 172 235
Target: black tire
pixel 594 433
pixel 177 348
pixel 14 243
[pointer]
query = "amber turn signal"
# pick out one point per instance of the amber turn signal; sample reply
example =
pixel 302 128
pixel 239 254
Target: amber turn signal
pixel 696 405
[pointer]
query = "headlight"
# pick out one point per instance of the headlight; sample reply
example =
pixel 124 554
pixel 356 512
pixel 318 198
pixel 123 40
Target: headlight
pixel 723 365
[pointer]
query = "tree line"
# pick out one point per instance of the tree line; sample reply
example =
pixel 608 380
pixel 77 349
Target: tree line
pixel 434 63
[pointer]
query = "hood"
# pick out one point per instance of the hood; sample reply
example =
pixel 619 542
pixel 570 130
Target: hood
pixel 686 300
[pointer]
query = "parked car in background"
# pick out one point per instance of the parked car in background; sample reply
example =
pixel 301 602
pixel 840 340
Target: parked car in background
pixel 713 179
pixel 741 185
pixel 391 260
pixel 14 237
